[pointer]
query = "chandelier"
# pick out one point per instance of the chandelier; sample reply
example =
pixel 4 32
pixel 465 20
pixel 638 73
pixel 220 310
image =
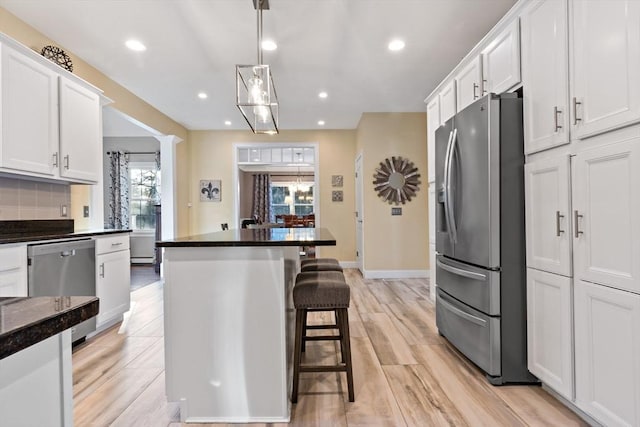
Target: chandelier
pixel 255 93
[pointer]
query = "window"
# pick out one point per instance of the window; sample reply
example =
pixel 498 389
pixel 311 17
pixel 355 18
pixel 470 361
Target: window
pixel 144 195
pixel 288 198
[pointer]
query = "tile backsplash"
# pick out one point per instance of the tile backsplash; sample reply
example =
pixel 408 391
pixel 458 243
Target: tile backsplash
pixel 24 199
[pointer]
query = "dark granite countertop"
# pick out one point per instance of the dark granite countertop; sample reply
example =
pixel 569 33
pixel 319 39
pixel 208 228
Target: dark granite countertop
pixel 256 237
pixel 35 230
pixel 29 320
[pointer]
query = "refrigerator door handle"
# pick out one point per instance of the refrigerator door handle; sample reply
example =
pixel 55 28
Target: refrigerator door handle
pixel 451 218
pixel 461 272
pixel 446 185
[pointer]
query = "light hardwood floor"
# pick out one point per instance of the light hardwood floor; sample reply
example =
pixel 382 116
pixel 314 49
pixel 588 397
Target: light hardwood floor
pixel 405 374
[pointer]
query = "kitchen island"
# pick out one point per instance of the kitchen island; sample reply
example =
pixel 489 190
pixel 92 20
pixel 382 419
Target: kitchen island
pixel 229 322
pixel 35 358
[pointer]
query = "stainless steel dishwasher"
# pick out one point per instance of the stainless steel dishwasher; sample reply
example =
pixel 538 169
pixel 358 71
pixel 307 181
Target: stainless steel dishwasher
pixel 64 268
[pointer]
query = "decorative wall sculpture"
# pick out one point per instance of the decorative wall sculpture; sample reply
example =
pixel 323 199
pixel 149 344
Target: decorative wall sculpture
pixel 396 180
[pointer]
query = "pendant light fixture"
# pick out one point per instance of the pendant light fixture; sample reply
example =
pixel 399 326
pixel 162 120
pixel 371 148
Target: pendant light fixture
pixel 255 93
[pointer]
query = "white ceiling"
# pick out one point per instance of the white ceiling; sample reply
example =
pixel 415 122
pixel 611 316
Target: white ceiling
pixel 339 46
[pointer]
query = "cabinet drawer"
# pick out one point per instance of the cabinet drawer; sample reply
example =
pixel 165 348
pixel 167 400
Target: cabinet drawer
pixel 13 283
pixel 13 258
pixel 118 242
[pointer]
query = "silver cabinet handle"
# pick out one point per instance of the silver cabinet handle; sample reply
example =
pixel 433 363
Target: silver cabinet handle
pixel 116 244
pixel 461 272
pixel 102 270
pixel 66 161
pixel 556 124
pixel 576 119
pixel 558 217
pixel 576 217
pixel 475 86
pixel 55 160
pixel 65 254
pixel 484 85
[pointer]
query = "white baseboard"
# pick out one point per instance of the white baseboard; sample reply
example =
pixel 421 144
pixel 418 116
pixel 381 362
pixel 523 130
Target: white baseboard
pixel 348 264
pixel 395 274
pixel 141 260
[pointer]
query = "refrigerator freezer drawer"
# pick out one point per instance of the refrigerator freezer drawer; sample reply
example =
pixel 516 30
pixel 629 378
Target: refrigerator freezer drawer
pixel 472 285
pixel 475 334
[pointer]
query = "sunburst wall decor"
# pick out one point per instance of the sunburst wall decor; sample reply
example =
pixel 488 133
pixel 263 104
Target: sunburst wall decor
pixel 396 180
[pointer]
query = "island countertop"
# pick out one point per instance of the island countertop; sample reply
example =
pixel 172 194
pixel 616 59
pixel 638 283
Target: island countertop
pixel 255 237
pixel 25 321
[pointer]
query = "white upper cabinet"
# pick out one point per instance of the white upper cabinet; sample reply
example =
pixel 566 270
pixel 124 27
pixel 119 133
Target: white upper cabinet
pixel 545 78
pixel 607 337
pixel 468 83
pixel 501 61
pixel 548 214
pixel 29 141
pixel 433 122
pixel 80 132
pixel 605 65
pixel 606 202
pixel 550 330
pixel 447 98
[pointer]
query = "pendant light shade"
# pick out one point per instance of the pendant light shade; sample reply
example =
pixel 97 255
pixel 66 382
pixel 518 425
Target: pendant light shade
pixel 256 96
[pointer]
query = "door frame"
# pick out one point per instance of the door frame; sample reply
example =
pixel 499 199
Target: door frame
pixel 359 190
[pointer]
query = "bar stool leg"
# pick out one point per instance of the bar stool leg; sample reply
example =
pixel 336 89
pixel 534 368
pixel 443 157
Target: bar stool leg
pixel 301 315
pixel 341 341
pixel 344 326
pixel 304 332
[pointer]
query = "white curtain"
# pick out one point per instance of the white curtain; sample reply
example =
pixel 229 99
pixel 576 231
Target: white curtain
pixel 118 191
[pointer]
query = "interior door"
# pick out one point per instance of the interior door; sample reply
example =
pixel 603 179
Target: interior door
pixel 359 217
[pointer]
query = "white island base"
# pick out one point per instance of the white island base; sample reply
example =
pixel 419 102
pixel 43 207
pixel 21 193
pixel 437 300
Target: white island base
pixel 229 322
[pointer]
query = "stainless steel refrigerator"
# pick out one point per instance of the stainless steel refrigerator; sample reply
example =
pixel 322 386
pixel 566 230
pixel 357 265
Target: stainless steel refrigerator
pixel 480 237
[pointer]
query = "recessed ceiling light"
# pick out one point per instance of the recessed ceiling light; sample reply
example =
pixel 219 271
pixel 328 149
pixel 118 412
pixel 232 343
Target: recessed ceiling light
pixel 227 122
pixel 269 45
pixel 323 95
pixel 320 122
pixel 396 45
pixel 135 45
pixel 202 95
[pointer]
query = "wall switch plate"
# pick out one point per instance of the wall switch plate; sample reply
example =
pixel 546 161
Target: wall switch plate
pixel 396 211
pixel 63 210
pixel 85 211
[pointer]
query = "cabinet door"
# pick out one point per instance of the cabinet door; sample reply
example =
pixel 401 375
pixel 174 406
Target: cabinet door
pixel 432 271
pixel 80 132
pixel 113 282
pixel 607 354
pixel 606 202
pixel 433 122
pixel 550 330
pixel 548 212
pixel 432 213
pixel 469 83
pixel 605 69
pixel 447 98
pixel 545 75
pixel 29 114
pixel 501 60
pixel 13 271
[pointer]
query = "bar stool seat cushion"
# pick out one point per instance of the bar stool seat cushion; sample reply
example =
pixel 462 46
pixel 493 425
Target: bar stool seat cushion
pixel 320 264
pixel 321 289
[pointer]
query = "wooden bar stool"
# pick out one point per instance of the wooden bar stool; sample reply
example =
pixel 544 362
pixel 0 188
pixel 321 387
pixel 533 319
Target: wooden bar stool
pixel 322 291
pixel 320 264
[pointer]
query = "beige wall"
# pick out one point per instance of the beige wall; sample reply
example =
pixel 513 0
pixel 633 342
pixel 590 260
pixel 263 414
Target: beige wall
pixel 211 158
pixel 123 100
pixel 394 242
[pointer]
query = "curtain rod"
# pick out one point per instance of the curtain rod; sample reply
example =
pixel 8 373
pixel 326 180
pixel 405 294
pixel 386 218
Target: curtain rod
pixel 137 152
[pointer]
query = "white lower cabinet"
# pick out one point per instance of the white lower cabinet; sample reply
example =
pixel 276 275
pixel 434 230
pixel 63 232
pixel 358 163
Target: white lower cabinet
pixel 113 278
pixel 607 353
pixel 606 203
pixel 550 330
pixel 13 271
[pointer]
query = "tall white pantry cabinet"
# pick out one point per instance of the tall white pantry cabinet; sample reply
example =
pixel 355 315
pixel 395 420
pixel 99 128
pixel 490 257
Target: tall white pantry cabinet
pixel 580 68
pixel 582 202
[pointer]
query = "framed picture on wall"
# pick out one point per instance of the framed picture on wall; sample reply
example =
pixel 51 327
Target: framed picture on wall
pixel 210 190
